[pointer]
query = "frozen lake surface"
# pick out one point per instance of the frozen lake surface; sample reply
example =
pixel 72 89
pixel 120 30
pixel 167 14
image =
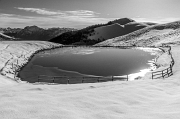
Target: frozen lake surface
pixel 88 61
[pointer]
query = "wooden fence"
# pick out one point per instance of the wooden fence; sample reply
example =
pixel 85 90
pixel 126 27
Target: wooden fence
pixel 79 79
pixel 166 72
pixel 163 74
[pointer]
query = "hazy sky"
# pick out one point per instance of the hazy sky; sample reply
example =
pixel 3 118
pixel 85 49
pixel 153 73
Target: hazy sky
pixel 81 13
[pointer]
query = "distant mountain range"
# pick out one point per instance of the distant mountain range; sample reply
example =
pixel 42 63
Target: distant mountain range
pixel 121 32
pixel 159 34
pixel 90 35
pixel 100 32
pixel 34 33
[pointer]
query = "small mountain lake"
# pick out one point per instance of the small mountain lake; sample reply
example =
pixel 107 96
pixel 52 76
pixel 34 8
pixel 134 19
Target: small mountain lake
pixel 85 61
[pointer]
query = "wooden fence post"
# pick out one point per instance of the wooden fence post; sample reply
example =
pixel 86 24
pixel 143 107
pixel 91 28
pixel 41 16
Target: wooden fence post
pixel 162 74
pixel 53 79
pixel 171 68
pixel 68 81
pixel 112 78
pixel 127 77
pixel 98 79
pixel 168 71
pixel 83 80
pixel 12 66
pixel 38 78
pixel 14 75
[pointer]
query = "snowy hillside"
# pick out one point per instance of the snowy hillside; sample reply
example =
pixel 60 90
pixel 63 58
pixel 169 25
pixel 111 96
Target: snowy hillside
pixel 149 36
pixel 5 37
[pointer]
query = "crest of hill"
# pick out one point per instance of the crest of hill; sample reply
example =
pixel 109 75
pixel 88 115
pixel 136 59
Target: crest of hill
pixel 149 36
pixel 123 21
pixel 107 32
pixel 115 30
pixel 100 32
pixel 5 37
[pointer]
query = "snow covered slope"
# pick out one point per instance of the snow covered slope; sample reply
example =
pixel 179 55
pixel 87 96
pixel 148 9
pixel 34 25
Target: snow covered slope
pixel 139 99
pixel 5 37
pixel 149 36
pixel 100 32
pixel 115 30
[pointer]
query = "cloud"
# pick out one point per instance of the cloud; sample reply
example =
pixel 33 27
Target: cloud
pixel 51 18
pixel 82 13
pixel 39 11
pixel 74 19
pixel 157 20
pixel 43 11
pixel 12 20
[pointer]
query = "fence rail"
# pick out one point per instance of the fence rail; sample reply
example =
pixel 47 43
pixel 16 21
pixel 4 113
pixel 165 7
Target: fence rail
pixel 80 79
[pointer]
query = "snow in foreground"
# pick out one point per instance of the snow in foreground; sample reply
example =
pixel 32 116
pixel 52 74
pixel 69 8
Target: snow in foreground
pixel 141 99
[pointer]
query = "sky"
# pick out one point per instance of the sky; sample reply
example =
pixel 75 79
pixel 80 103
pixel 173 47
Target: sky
pixel 82 13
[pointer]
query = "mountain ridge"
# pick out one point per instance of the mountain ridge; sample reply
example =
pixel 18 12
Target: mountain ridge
pixel 100 32
pixel 167 33
pixel 34 32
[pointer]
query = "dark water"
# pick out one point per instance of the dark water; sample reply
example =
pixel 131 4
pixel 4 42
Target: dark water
pixel 88 61
pixel 96 61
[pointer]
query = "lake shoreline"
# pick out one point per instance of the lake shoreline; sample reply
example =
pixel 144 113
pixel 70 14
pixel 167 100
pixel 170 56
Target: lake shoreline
pixel 154 51
pixel 11 69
